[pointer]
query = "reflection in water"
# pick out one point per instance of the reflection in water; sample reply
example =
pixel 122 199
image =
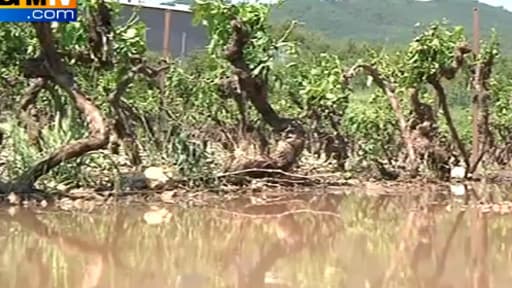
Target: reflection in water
pixel 311 241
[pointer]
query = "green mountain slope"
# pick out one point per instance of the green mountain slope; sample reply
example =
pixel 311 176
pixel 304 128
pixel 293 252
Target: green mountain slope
pixel 390 20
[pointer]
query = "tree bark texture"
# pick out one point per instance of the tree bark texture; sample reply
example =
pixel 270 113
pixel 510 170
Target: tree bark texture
pixel 482 136
pixel 255 89
pixel 50 66
pixel 28 112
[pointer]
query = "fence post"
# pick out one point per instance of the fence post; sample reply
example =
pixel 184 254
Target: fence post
pixel 183 44
pixel 167 33
pixel 475 151
pixel 476 31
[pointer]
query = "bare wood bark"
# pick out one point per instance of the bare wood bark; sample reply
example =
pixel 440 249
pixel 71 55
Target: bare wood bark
pixel 49 65
pixel 230 88
pixel 424 133
pixel 441 95
pixel 423 112
pixel 475 113
pixel 460 52
pixel 100 35
pixel 161 78
pixel 476 83
pixel 481 99
pixel 28 113
pixel 449 73
pixel 255 89
pixel 121 128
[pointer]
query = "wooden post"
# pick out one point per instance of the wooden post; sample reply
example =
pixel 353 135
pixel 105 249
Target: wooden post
pixel 476 31
pixel 183 44
pixel 475 151
pixel 167 33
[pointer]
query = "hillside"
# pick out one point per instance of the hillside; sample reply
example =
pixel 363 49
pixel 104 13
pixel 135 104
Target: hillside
pixel 389 20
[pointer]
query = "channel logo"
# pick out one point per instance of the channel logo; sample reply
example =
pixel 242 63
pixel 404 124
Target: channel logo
pixel 38 10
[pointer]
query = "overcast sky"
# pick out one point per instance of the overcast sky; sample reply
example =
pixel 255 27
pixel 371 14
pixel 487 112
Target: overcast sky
pixel 505 3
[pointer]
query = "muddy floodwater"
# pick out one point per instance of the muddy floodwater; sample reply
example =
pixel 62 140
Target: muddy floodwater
pixel 450 239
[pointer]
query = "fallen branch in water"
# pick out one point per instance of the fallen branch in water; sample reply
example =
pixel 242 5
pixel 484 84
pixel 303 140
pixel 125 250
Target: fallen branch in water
pixel 240 172
pixel 292 212
pixel 273 176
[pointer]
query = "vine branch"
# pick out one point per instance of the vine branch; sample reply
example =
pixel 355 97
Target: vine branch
pixel 390 91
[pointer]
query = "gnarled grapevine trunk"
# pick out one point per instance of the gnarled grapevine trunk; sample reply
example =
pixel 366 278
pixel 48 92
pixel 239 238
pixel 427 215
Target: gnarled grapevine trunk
pixel 424 133
pixel 441 95
pixel 100 35
pixel 435 81
pixel 419 133
pixel 28 112
pixel 123 132
pixel 50 66
pixel 482 136
pixel 121 122
pixel 255 89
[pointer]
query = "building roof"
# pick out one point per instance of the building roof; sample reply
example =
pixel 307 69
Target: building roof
pixel 153 4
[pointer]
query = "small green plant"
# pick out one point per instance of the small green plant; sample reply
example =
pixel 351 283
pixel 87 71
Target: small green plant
pixel 312 84
pixel 431 51
pixel 373 127
pixel 80 172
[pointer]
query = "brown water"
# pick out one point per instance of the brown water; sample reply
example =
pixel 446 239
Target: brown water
pixel 310 241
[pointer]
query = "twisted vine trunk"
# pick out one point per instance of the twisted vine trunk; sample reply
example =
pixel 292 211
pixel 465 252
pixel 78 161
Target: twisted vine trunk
pixel 50 66
pixel 28 112
pixel 441 95
pixel 122 131
pixel 482 137
pixel 100 35
pixel 255 89
pixel 449 73
pixel 424 133
pixel 121 122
